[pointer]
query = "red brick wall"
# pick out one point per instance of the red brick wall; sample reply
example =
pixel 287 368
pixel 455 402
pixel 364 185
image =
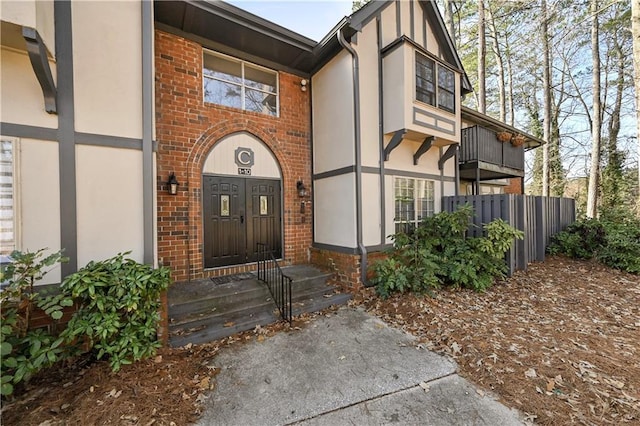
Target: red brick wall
pixel 514 187
pixel 345 266
pixel 187 130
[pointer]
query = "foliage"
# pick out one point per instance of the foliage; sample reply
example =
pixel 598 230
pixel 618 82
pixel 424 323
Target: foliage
pixel 614 240
pixel 438 252
pixel 119 303
pixel 25 349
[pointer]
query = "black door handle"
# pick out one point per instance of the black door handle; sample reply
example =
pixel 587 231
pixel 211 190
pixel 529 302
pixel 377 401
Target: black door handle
pixel 241 219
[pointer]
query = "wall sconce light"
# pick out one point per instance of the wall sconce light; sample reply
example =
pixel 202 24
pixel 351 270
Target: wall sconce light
pixel 172 184
pixel 302 190
pixel 303 85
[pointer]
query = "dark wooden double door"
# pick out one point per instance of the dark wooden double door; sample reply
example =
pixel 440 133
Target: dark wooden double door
pixel 238 213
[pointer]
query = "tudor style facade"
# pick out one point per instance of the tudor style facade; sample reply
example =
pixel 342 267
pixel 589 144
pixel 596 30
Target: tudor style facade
pixel 320 150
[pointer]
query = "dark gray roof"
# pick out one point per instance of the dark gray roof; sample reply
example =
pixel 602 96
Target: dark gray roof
pixel 232 30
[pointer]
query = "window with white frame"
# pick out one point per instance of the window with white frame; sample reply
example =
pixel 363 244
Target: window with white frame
pixel 238 84
pixel 414 200
pixel 7 195
pixel 442 94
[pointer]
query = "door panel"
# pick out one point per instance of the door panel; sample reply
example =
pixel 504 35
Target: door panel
pixel 239 213
pixel 224 228
pixel 263 217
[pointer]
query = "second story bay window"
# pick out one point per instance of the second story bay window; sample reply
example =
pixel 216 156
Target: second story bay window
pixel 442 94
pixel 234 83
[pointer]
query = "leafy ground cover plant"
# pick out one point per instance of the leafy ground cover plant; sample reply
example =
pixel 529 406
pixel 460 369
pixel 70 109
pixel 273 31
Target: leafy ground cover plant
pixel 439 252
pixel 613 240
pixel 25 349
pixel 119 303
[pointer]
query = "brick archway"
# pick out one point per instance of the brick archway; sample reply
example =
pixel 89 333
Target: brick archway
pixel 195 163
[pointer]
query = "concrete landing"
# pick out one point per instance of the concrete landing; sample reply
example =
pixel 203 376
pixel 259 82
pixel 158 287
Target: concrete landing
pixel 345 368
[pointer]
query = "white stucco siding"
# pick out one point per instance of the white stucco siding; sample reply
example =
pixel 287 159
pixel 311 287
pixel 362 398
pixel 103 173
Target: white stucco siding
pixel 38 195
pixel 45 24
pixel 419 23
pixel 333 138
pixel 19 12
pixel 107 56
pixel 109 203
pixel 394 91
pixel 388 25
pixel 22 101
pixel 221 159
pixel 401 158
pixel 405 17
pixel 371 221
pixel 367 49
pixel 335 211
pixel 432 42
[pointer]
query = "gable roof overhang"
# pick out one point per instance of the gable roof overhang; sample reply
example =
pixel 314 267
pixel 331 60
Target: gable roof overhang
pixel 444 40
pixel 498 126
pixel 222 26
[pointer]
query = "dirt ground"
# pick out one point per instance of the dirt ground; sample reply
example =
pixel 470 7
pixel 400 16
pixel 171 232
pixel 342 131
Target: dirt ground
pixel 560 342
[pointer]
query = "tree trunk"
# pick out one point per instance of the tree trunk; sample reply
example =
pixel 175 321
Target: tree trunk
pixel 510 105
pixel 495 46
pixel 635 31
pixel 546 87
pixel 448 19
pixel 592 193
pixel 482 54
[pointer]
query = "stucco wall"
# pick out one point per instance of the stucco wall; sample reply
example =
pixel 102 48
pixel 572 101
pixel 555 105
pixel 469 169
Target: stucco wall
pixel 333 138
pixel 335 211
pixel 22 101
pixel 109 203
pixel 108 68
pixel 39 199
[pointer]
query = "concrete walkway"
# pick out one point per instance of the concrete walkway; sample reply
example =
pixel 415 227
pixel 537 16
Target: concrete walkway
pixel 342 369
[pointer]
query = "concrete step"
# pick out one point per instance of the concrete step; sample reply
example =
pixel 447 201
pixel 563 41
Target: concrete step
pixel 220 299
pixel 307 305
pixel 209 329
pixel 202 311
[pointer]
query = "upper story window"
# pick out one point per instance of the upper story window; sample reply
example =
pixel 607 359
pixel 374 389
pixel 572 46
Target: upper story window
pixel 442 94
pixel 238 84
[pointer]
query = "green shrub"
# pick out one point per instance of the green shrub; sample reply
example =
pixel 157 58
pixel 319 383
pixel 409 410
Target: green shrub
pixel 438 252
pixel 613 240
pixel 119 303
pixel 24 349
pixel 582 239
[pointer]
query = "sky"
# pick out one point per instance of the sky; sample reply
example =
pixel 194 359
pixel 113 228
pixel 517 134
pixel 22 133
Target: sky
pixel 311 18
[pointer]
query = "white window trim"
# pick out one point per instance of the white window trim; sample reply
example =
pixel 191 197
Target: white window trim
pixel 415 220
pixel 243 85
pixel 15 160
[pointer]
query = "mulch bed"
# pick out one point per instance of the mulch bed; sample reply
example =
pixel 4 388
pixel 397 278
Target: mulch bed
pixel 560 342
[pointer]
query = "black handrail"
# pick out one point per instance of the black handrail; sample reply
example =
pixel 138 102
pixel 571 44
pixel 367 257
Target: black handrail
pixel 279 284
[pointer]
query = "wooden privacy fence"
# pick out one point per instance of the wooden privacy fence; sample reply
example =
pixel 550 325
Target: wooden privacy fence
pixel 538 217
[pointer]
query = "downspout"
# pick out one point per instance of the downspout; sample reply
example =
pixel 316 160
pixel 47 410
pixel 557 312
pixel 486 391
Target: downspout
pixel 383 218
pixel 356 133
